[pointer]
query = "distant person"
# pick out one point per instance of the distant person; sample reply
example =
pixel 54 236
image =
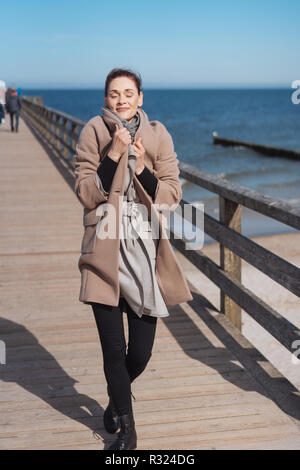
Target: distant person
pixel 2 92
pixel 7 94
pixel 2 101
pixel 13 107
pixel 2 114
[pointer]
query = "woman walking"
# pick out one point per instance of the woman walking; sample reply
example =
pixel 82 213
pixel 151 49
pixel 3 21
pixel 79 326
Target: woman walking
pixel 125 168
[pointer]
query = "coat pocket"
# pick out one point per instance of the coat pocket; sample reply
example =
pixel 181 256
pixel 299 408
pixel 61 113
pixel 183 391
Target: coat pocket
pixel 89 237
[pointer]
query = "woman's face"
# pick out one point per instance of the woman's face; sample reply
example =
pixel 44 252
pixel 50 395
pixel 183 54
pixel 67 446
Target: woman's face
pixel 123 97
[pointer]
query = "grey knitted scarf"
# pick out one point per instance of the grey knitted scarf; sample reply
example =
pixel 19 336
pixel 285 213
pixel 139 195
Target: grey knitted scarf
pixel 109 115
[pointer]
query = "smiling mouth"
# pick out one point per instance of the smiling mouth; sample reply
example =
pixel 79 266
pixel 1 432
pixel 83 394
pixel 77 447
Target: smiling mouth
pixel 122 109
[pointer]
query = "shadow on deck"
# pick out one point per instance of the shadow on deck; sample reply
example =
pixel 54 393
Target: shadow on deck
pixel 206 386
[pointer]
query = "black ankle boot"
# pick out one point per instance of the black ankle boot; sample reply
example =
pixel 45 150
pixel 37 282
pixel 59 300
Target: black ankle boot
pixel 127 438
pixel 110 418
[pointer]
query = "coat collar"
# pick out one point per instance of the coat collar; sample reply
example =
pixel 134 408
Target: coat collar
pixel 142 131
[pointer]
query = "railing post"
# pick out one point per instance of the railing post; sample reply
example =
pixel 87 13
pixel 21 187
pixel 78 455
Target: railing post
pixel 61 134
pixel 57 129
pixel 65 128
pixel 230 215
pixel 38 119
pixel 51 128
pixel 46 121
pixel 75 134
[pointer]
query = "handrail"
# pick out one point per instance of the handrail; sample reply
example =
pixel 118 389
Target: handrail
pixel 61 131
pixel 257 201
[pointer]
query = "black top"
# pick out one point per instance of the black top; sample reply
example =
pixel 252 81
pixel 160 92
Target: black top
pixel 106 171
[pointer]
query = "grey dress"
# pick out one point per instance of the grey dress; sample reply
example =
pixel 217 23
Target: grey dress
pixel 137 278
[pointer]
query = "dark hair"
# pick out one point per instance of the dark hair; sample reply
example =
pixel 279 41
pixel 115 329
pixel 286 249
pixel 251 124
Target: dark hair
pixel 114 73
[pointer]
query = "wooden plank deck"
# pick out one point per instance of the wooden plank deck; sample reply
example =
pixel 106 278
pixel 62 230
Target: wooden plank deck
pixel 198 391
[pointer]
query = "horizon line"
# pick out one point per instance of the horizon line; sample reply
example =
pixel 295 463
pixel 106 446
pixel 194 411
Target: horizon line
pixel 163 87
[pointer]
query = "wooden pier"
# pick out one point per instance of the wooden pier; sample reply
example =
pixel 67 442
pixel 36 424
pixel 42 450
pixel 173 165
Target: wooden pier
pixel 205 387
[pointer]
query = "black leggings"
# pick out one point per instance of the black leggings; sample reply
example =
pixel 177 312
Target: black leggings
pixel 121 369
pixel 12 115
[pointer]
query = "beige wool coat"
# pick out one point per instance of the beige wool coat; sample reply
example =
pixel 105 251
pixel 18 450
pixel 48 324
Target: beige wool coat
pixel 99 259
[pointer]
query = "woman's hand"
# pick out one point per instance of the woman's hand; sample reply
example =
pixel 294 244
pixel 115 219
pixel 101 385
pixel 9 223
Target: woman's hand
pixel 120 142
pixel 140 152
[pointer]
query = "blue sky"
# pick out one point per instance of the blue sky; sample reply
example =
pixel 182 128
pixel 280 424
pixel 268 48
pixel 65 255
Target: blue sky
pixel 188 43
